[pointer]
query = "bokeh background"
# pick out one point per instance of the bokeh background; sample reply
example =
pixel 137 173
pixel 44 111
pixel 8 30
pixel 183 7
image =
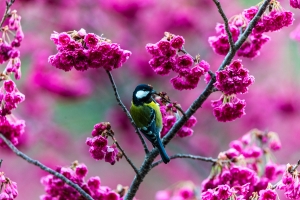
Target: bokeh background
pixel 61 107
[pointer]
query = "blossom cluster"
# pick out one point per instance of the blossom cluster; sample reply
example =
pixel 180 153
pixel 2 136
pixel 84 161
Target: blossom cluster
pixel 242 173
pixel 8 46
pixel 234 79
pixel 98 147
pixel 275 20
pixel 55 188
pixel 83 50
pixel 11 127
pixel 170 115
pixel 295 3
pixel 239 173
pixel 8 188
pixel 166 58
pixel 290 182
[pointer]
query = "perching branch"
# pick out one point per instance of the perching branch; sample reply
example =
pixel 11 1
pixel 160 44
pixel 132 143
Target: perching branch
pixel 225 19
pixel 205 159
pixel 146 166
pixel 43 167
pixel 123 153
pixel 8 5
pixel 126 111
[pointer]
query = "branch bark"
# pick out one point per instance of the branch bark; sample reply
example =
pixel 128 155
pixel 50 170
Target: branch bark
pixel 205 159
pixel 225 19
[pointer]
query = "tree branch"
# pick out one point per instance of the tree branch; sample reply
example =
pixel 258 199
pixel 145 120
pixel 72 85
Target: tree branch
pixel 126 111
pixel 205 159
pixel 8 5
pixel 225 19
pixel 195 105
pixel 43 167
pixel 124 154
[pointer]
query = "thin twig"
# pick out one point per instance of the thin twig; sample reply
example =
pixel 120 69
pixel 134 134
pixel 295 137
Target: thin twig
pixel 8 5
pixel 126 111
pixel 205 159
pixel 0 162
pixel 185 52
pixel 293 169
pixel 123 153
pixel 175 105
pixel 225 19
pixel 145 168
pixel 43 167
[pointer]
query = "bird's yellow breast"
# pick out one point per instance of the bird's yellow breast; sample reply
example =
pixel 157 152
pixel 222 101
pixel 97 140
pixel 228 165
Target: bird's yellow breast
pixel 142 114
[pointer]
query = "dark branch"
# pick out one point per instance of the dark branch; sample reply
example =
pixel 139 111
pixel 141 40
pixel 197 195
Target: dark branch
pixel 145 168
pixel 124 154
pixel 5 15
pixel 126 111
pixel 225 19
pixel 43 167
pixel 205 159
pixel 0 162
pixel 185 52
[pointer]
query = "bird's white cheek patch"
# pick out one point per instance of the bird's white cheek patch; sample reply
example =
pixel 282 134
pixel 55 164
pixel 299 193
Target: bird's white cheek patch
pixel 141 94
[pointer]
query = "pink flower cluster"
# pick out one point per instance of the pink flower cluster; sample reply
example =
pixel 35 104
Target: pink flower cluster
pixel 83 50
pixel 228 108
pixel 166 58
pixel 295 3
pixel 11 128
pixel 250 48
pixel 275 20
pixel 8 188
pixel 234 79
pixel 240 178
pixel 98 144
pixel 239 173
pixel 290 183
pixel 10 97
pixel 170 115
pixel 55 188
pixel 8 51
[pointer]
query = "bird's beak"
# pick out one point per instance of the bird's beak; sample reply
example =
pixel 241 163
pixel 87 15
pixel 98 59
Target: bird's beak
pixel 153 92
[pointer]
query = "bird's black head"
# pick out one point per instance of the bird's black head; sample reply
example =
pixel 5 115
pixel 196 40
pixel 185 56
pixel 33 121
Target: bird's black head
pixel 142 94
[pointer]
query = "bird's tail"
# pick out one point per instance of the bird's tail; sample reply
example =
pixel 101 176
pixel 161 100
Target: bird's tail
pixel 162 151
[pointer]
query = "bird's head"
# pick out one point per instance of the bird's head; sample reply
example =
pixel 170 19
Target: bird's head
pixel 143 94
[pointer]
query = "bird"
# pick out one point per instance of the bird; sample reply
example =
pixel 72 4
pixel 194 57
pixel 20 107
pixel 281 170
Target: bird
pixel 145 112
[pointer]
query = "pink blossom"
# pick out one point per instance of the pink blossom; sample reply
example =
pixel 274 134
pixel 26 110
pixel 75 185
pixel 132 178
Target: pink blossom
pixel 234 79
pixel 295 3
pixel 96 53
pixel 229 110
